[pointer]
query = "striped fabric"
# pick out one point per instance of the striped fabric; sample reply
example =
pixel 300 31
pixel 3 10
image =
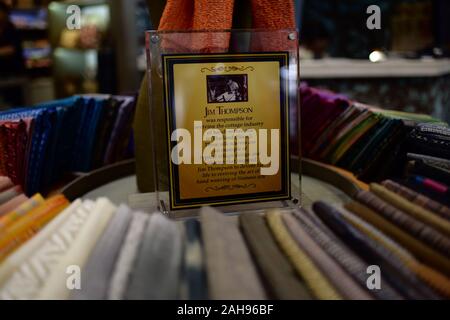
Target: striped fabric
pixel 340 279
pixel 282 281
pixel 395 271
pixel 415 211
pixel 423 252
pixel 347 259
pixel 418 199
pixel 317 283
pixel 434 279
pixel 416 228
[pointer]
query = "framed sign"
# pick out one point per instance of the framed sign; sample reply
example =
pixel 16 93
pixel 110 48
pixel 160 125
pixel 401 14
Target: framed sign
pixel 223 123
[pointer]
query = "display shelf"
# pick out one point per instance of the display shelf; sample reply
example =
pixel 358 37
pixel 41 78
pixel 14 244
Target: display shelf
pixel 118 183
pixel 330 68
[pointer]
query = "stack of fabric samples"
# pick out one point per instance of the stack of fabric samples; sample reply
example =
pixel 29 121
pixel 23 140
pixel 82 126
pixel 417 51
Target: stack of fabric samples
pixel 51 249
pixel 428 156
pixel 11 196
pixel 39 144
pixel 368 141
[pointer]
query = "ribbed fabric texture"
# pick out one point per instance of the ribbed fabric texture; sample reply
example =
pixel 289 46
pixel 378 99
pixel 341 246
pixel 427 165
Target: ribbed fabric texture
pixel 280 277
pixel 419 249
pixel 317 283
pixel 15 260
pixel 402 279
pixel 340 279
pixel 157 269
pixel 406 206
pixel 98 270
pixel 434 279
pixel 418 199
pixel 346 258
pixel 210 15
pixel 423 232
pixel 128 252
pixel 231 271
pixel 32 264
pixel 55 287
pixel 27 227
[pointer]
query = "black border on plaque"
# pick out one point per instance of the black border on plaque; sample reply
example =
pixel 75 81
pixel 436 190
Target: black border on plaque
pixel 168 61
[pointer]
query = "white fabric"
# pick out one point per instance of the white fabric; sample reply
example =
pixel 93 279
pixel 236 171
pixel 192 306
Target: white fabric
pixel 31 264
pixel 127 256
pixel 55 287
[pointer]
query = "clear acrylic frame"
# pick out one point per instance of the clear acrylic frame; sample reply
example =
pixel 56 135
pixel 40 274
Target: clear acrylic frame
pixel 224 59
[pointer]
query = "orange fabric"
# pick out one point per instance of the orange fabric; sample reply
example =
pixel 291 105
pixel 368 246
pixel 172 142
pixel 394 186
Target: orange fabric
pixel 186 15
pixel 26 207
pixel 218 15
pixel 29 225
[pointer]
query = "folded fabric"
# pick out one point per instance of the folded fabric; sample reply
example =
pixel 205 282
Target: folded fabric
pixel 28 268
pixel 337 125
pixel 5 183
pixel 385 159
pixel 433 161
pixel 349 261
pixel 357 133
pixel 103 132
pixel 194 282
pixel 423 252
pixel 158 264
pixel 55 287
pixel 98 270
pixel 432 185
pixel 433 189
pixel 9 194
pixel 434 279
pixel 279 275
pixel 12 204
pixel 416 211
pixel 29 225
pixel 432 140
pixel 23 209
pixel 397 274
pixel 39 144
pixel 340 279
pixel 423 232
pixel 317 283
pixel 127 256
pixel 230 269
pixel 120 131
pixel 422 168
pixel 418 199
